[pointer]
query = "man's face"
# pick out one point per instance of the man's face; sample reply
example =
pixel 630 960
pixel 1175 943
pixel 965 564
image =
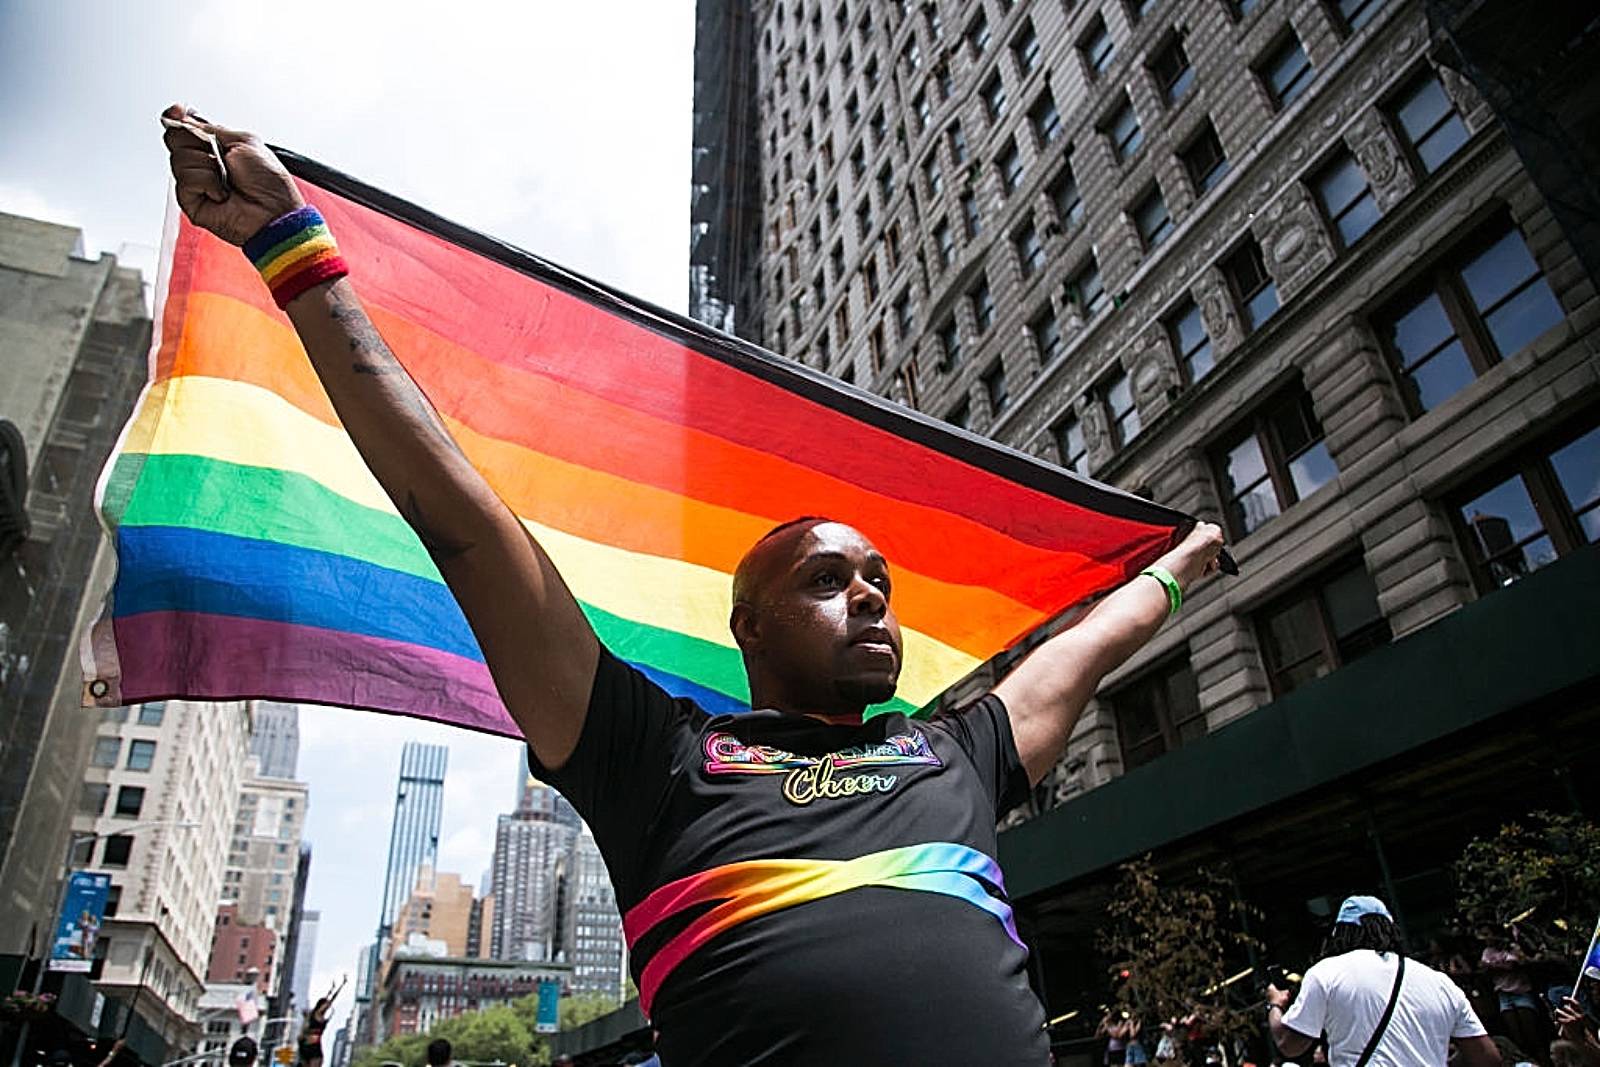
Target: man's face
pixel 821 622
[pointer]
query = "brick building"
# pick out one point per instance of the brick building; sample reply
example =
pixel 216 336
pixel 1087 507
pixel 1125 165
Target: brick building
pixel 418 991
pixel 1264 261
pixel 242 953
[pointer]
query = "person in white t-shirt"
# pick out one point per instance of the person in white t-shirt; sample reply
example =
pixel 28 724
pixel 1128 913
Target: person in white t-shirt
pixel 1344 996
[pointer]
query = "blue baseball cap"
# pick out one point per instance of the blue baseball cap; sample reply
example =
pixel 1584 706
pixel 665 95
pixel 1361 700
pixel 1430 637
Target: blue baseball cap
pixel 1355 907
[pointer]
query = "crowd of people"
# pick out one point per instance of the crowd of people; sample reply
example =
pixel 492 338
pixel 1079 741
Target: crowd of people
pixel 1500 998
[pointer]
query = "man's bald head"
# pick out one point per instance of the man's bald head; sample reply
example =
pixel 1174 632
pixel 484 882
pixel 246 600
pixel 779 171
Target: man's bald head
pixel 757 566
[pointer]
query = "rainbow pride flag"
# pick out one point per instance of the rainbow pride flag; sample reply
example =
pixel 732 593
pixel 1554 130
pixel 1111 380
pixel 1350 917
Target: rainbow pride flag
pixel 257 557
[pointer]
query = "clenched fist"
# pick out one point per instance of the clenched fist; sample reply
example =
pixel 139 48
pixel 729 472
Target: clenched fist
pixel 257 190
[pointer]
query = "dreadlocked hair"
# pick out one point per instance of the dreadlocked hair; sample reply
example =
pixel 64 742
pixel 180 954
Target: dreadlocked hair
pixel 1373 931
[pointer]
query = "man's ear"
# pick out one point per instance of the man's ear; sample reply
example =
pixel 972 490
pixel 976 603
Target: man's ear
pixel 745 623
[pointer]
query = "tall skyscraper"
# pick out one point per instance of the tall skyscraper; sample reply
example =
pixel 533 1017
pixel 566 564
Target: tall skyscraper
pixel 530 844
pixel 1276 265
pixel 593 942
pixel 275 737
pixel 305 961
pixel 414 837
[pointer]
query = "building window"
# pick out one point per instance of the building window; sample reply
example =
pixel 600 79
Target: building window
pixel 1548 506
pixel 1030 251
pixel 1151 218
pixel 1188 332
pixel 1066 198
pixel 982 304
pixel 130 801
pixel 1252 285
pixel 1244 8
pixel 106 751
pixel 994 384
pixel 960 415
pixel 994 97
pixel 1321 627
pixel 1204 160
pixel 949 336
pixel 1122 129
pixel 1172 71
pixel 934 177
pixel 907 375
pixel 1095 44
pixel 858 161
pixel 885 184
pixel 902 315
pixel 1026 49
pixel 1070 444
pixel 892 237
pixel 945 239
pixel 958 143
pixel 151 714
pixel 922 110
pixel 831 203
pixel 1346 198
pixel 113 901
pixel 864 219
pixel 870 72
pixel 92 799
pixel 1477 309
pixel 1276 459
pixel 977 35
pixel 878 128
pixel 116 850
pixel 1045 119
pixel 1046 334
pixel 1117 395
pixel 836 262
pixel 1138 9
pixel 875 347
pixel 1285 72
pixel 1158 712
pixel 1009 164
pixel 1357 13
pixel 969 215
pixel 1084 289
pixel 869 280
pixel 841 321
pixel 1428 121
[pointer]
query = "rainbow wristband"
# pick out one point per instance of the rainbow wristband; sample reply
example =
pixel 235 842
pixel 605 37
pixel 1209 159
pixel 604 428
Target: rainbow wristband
pixel 1174 590
pixel 294 252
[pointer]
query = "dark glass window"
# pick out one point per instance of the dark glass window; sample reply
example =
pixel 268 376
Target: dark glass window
pixel 1204 160
pixel 970 220
pixel 1188 332
pixel 864 219
pixel 949 345
pixel 1123 130
pixel 858 161
pixel 106 751
pixel 902 315
pixel 878 127
pixel 1152 219
pixel 130 801
pixel 1245 8
pixel 1252 285
pixel 960 415
pixel 958 143
pixel 113 903
pixel 934 176
pixel 1084 289
pixel 994 384
pixel 1429 122
pixel 982 304
pixel 994 97
pixel 92 799
pixel 1323 626
pixel 1172 71
pixel 1346 198
pixel 1479 307
pixel 1357 13
pixel 1158 712
pixel 1543 505
pixel 1070 444
pixel 1030 252
pixel 116 850
pixel 945 239
pixel 1138 9
pixel 151 714
pixel 1026 49
pixel 1096 47
pixel 1009 164
pixel 1275 459
pixel 978 34
pixel 922 110
pixel 1045 119
pixel 1117 395
pixel 1046 334
pixel 1066 198
pixel 1286 71
pixel 885 184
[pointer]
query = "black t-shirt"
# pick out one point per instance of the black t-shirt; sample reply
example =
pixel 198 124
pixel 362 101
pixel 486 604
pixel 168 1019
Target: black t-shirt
pixel 755 938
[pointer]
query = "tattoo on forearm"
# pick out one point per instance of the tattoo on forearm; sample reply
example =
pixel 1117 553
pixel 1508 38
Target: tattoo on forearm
pixel 374 357
pixel 440 548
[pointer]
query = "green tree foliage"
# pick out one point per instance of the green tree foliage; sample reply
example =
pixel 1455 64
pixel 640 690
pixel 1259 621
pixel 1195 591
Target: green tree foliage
pixel 1176 944
pixel 1541 874
pixel 492 1035
pixel 410 1050
pixel 585 1007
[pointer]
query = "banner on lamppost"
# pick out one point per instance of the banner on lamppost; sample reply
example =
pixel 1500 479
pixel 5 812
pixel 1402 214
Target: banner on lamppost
pixel 82 911
pixel 548 1020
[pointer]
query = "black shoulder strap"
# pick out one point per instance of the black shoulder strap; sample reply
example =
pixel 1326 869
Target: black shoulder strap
pixel 1383 1023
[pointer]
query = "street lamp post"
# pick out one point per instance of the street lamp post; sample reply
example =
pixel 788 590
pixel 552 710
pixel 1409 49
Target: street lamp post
pixel 73 839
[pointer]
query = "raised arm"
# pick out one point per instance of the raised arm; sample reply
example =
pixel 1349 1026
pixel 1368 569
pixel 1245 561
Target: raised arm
pixel 1047 691
pixel 539 646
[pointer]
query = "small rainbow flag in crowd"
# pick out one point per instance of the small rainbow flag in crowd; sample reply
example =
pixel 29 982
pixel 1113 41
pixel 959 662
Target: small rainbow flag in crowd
pixel 257 557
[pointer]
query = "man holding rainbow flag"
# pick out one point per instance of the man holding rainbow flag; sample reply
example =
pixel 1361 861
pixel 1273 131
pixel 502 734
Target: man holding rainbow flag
pixel 801 883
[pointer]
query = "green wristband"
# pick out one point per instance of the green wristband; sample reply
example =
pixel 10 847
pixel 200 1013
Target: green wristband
pixel 1174 590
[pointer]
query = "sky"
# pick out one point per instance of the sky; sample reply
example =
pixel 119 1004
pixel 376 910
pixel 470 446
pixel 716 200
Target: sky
pixel 563 128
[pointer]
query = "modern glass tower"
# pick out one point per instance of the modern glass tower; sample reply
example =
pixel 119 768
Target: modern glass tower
pixel 414 838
